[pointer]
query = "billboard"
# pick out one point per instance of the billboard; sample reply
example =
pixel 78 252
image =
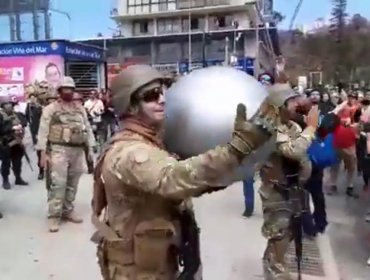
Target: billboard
pixel 16 72
pixel 66 49
pixel 23 6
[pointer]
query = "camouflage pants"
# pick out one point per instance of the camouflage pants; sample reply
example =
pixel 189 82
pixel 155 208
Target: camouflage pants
pixel 67 166
pixel 276 228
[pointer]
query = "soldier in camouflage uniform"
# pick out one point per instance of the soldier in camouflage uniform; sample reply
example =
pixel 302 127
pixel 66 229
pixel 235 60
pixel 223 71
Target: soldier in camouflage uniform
pixel 64 132
pixel 45 99
pixel 12 148
pixel 142 187
pixel 288 162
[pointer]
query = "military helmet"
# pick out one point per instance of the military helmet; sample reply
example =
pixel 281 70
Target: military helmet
pixel 50 95
pixel 7 100
pixel 45 97
pixel 128 82
pixel 280 93
pixel 66 82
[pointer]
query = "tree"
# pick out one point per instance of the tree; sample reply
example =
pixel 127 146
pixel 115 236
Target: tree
pixel 338 19
pixel 277 17
pixel 345 61
pixel 359 22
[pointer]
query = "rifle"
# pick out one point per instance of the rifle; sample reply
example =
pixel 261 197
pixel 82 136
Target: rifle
pixel 299 200
pixel 298 197
pixel 190 248
pixel 27 157
pixel 48 180
pixel 89 161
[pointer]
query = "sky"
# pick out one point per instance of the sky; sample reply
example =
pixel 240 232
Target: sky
pixel 88 17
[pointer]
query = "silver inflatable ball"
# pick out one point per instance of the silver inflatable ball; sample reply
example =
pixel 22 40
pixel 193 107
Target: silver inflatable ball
pixel 201 109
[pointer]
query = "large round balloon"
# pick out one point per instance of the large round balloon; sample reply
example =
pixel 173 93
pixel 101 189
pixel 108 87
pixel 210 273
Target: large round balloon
pixel 201 109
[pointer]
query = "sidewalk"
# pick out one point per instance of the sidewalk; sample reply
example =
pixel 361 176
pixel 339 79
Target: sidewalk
pixel 232 246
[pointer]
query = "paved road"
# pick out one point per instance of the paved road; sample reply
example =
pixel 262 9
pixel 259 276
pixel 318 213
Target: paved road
pixel 231 245
pixel 349 233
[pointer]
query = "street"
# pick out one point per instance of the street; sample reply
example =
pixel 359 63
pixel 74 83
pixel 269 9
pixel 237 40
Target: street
pixel 231 245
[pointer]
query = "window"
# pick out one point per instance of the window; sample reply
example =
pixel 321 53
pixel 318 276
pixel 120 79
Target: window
pixel 141 27
pixel 221 21
pixel 163 6
pixel 194 24
pixel 168 26
pixel 144 27
pixel 217 22
pixel 147 6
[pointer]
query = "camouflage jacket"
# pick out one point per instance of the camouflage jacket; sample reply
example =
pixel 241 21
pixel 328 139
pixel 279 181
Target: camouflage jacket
pixel 143 182
pixel 292 143
pixel 46 117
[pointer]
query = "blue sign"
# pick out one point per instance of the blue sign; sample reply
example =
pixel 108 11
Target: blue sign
pixel 59 47
pixel 29 49
pixel 83 52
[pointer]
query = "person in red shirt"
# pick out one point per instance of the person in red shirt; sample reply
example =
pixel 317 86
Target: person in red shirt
pixel 345 144
pixel 346 111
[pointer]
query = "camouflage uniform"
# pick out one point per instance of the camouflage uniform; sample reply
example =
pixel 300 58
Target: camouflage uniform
pixel 292 144
pixel 142 188
pixel 12 147
pixel 64 132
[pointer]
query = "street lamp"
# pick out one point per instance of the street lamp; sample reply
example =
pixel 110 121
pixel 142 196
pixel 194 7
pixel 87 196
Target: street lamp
pixel 235 25
pixel 189 39
pixel 226 61
pixel 67 15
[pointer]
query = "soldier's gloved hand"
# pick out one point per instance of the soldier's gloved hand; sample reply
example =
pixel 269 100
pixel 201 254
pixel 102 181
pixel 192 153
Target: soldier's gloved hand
pixel 267 117
pixel 248 135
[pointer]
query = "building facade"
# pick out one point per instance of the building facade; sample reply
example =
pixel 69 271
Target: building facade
pixel 180 35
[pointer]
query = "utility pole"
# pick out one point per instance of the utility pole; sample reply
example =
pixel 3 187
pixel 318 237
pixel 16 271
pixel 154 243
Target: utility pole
pixel 204 42
pixel 12 22
pixel 257 58
pixel 189 39
pixel 227 59
pixel 67 15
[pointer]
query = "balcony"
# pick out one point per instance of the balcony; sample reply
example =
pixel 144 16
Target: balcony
pixel 188 4
pixel 172 8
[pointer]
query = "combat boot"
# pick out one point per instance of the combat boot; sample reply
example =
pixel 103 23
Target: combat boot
pixel 6 184
pixel 41 176
pixel 72 217
pixel 53 224
pixel 20 182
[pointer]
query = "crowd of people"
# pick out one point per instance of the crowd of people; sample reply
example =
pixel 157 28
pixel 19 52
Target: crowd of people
pixel 345 130
pixel 142 192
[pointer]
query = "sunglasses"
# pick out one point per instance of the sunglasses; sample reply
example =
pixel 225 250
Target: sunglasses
pixel 152 95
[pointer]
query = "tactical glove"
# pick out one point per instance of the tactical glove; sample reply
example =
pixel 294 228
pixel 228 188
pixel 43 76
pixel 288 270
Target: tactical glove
pixel 249 135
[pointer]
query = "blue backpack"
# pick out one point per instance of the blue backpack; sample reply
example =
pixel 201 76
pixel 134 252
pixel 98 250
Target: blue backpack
pixel 322 152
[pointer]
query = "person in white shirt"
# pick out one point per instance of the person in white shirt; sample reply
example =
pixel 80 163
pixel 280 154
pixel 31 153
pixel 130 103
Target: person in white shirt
pixel 94 107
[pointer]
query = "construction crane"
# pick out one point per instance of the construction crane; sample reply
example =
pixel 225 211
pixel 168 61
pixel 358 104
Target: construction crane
pixel 296 11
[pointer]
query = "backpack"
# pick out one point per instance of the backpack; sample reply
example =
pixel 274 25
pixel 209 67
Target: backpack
pixel 322 152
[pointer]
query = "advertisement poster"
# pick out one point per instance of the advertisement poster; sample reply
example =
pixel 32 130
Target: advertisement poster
pixel 18 71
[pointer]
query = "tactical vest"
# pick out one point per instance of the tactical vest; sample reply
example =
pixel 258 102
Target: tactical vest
pixel 67 128
pixel 151 233
pixel 281 170
pixel 12 127
pixel 13 118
